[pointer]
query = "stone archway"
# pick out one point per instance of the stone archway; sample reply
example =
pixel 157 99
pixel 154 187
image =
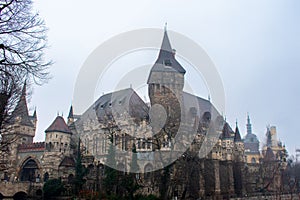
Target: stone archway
pixel 20 196
pixel 29 170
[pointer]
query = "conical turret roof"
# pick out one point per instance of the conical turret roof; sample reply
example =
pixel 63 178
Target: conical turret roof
pixel 166 61
pixel 71 115
pixel 237 135
pixel 226 131
pixel 21 110
pixel 59 125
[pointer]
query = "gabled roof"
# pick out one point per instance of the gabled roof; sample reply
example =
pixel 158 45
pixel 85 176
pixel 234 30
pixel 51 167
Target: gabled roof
pixel 21 110
pixel 58 125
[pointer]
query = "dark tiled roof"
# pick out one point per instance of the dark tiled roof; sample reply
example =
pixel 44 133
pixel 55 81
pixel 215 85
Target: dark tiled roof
pixel 166 61
pixel 226 133
pixel 59 125
pixel 116 104
pixel 71 115
pixel 119 103
pixel 21 110
pixel 204 110
pixel 67 162
pixel 201 105
pixel 237 135
pixel 251 138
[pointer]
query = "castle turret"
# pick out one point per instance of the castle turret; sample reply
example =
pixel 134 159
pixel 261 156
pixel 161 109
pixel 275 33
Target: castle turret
pixel 58 139
pixel 165 87
pixel 167 75
pixel 239 145
pixel 237 135
pixel 58 136
pixel 22 122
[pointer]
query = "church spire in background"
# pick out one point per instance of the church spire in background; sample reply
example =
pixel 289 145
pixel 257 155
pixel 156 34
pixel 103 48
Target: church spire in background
pixel 249 126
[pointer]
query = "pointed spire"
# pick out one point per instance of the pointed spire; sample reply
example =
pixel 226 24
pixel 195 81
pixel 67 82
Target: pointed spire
pixel 166 61
pixel 166 45
pixel 71 114
pixel 24 89
pixel 237 135
pixel 34 114
pixel 249 126
pixel 248 118
pixel 269 156
pixel 21 109
pixel 226 131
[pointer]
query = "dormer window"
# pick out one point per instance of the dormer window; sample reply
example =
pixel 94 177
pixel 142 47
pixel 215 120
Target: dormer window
pixel 167 62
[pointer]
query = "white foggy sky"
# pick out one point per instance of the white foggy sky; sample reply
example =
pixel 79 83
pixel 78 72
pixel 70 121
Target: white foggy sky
pixel 254 45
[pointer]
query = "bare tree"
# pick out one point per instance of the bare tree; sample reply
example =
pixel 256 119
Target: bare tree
pixel 22 45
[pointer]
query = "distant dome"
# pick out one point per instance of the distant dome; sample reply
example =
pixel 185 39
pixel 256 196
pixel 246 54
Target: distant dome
pixel 251 143
pixel 251 138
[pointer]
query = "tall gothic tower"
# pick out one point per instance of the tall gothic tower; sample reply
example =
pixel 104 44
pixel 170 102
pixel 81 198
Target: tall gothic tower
pixel 23 124
pixel 167 75
pixel 165 87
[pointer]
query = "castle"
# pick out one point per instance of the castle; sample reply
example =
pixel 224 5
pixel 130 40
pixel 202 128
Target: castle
pixel 209 157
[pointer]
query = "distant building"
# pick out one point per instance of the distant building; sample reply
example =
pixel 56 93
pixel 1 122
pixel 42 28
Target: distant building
pixel 251 142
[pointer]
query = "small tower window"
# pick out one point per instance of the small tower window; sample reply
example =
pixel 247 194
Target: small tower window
pixel 168 62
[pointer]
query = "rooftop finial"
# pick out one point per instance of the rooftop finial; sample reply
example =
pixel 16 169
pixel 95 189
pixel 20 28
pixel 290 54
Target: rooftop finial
pixel 208 97
pixel 166 24
pixel 236 122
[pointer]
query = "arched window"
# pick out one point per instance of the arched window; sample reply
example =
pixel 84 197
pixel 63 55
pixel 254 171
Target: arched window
pixel 147 171
pixel 46 176
pixel 70 178
pixel 29 170
pixel 253 160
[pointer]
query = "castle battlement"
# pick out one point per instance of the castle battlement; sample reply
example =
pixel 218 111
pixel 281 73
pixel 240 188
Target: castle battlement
pixel 36 146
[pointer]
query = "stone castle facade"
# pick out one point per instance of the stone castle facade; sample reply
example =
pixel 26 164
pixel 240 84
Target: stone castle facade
pixel 217 161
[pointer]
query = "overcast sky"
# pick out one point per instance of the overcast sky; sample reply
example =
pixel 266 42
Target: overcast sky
pixel 254 45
